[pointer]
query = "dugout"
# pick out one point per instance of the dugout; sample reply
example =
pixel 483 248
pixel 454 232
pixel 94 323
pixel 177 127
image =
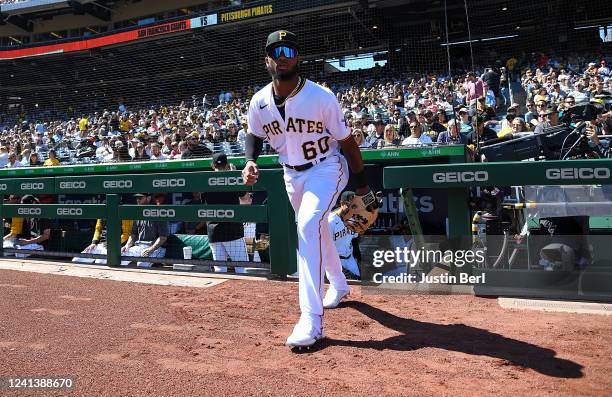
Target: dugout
pixel 578 206
pixel 83 191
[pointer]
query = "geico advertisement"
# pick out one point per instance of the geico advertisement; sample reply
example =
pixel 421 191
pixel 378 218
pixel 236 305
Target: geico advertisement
pixel 59 211
pixel 39 186
pixel 170 213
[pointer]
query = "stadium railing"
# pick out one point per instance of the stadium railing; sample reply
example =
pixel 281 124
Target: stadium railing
pixel 276 212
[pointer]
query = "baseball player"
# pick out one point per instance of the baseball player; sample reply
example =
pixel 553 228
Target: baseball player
pixel 16 227
pixel 34 233
pixel 303 122
pixel 226 238
pixel 146 237
pixel 343 237
pixel 97 247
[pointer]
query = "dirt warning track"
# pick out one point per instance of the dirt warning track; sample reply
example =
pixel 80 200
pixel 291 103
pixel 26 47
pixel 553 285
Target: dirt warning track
pixel 120 338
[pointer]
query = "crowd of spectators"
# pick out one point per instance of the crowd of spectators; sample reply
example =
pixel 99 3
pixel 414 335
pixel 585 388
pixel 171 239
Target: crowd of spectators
pixel 12 1
pixel 405 111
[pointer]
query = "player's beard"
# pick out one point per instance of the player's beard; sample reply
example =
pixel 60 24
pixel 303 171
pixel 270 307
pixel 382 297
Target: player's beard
pixel 284 75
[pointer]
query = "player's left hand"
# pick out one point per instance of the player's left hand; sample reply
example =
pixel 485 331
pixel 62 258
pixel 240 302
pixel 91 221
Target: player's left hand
pixel 146 252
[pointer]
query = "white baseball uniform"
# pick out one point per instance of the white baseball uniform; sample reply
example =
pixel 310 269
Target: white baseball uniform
pixel 343 240
pixel 309 133
pixel 11 244
pixel 99 249
pixel 250 231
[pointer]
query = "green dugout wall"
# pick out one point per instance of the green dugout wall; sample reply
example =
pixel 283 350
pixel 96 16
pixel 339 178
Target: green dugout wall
pixel 592 283
pixel 277 211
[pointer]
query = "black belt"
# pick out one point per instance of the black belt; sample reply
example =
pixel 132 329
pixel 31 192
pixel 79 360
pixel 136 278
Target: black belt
pixel 303 167
pixel 345 257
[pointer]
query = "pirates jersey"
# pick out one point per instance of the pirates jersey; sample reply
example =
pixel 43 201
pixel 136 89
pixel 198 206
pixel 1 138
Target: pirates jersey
pixel 342 235
pixel 312 126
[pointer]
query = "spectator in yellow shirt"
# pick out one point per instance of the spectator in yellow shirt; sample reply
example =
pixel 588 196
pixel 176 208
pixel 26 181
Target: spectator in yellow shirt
pixel 83 124
pixel 52 160
pixel 124 124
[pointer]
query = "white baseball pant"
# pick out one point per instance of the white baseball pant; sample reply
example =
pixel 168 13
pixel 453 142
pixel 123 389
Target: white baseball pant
pixel 235 249
pixel 11 244
pixel 313 193
pixel 99 249
pixel 136 250
pixel 351 265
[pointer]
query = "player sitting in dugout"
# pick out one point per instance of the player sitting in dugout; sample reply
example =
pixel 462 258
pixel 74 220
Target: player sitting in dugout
pixel 15 226
pixel 146 238
pixel 98 242
pixel 30 233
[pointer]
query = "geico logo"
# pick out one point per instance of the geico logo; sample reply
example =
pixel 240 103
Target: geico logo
pixel 3 186
pixel 117 184
pixel 158 213
pixel 73 185
pixel 168 182
pixel 467 176
pixel 70 211
pixel 225 181
pixel 578 173
pixel 29 211
pixel 32 186
pixel 215 213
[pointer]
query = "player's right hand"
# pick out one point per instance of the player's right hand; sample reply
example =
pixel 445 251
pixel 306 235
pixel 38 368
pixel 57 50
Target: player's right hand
pixel 89 248
pixel 250 173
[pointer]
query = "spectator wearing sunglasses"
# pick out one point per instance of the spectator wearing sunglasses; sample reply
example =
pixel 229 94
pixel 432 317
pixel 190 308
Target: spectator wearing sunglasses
pixel 139 153
pixel 548 118
pixel 532 113
pixel 416 135
pixel 568 103
pixel 358 137
pixel 196 149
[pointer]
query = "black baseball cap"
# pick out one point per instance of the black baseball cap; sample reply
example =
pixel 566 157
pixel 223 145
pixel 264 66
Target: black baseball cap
pixel 29 199
pixel 282 37
pixel 219 159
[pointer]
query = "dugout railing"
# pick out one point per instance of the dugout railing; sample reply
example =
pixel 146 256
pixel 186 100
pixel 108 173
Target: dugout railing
pixel 592 282
pixel 276 211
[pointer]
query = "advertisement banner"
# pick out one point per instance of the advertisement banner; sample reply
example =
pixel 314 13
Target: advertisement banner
pixel 102 41
pixel 431 204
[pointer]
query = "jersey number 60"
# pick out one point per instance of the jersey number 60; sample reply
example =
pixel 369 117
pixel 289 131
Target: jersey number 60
pixel 310 147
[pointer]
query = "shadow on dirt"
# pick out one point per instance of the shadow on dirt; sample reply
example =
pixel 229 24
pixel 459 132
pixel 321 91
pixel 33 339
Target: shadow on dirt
pixel 457 337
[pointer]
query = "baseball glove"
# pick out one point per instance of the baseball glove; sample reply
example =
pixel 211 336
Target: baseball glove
pixel 361 213
pixel 263 243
